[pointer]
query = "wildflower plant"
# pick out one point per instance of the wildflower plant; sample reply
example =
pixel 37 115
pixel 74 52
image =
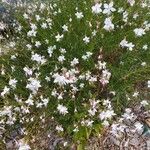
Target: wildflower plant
pixel 60 68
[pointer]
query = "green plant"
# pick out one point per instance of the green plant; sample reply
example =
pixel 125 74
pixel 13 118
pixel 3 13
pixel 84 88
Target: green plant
pixel 58 70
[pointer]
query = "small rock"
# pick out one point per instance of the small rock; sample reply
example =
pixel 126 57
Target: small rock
pixel 115 141
pixel 134 142
pixel 11 145
pixel 148 144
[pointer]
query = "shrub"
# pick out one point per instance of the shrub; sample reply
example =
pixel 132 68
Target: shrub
pixel 58 71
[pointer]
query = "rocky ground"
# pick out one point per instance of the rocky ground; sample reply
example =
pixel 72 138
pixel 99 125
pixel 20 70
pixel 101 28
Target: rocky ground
pixel 120 136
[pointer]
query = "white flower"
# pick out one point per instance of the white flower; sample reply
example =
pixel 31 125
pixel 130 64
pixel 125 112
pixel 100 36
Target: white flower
pixel 25 16
pixel 130 46
pixel 33 85
pixel 94 33
pixel 79 15
pixel 42 6
pixel 128 115
pixel 93 79
pixel 30 101
pixel 54 93
pixel 59 128
pixel 105 123
pixel 39 105
pixel 123 43
pixel 145 47
pixel 108 8
pixel 38 58
pixel 61 58
pixel 144 103
pixel 139 32
pixel 128 110
pixel 47 78
pixel 2 26
pixel 29 46
pixel 62 50
pixel 65 28
pixel 131 2
pixel 125 16
pixel 5 91
pixel 135 94
pixel 13 82
pixel 104 81
pixel 65 144
pixel 138 126
pixel 62 109
pixel 106 74
pixel 108 24
pixel 108 114
pixel 135 16
pixel 115 128
pixel 37 43
pixel 74 62
pixel 33 26
pixel 143 64
pixel 50 50
pixel 45 101
pixel 86 39
pixel 92 111
pixel 28 71
pixel 24 146
pixel 7 110
pixel 75 129
pixel 97 8
pixel 101 65
pixel 59 37
pixel 49 20
pixel 37 17
pixel 148 83
pixel 84 57
pixel 89 54
pixel 107 103
pixel 60 79
pixel 60 96
pixel 31 33
pixel 12 44
pixel 44 25
pixel 13 57
pixel 89 123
